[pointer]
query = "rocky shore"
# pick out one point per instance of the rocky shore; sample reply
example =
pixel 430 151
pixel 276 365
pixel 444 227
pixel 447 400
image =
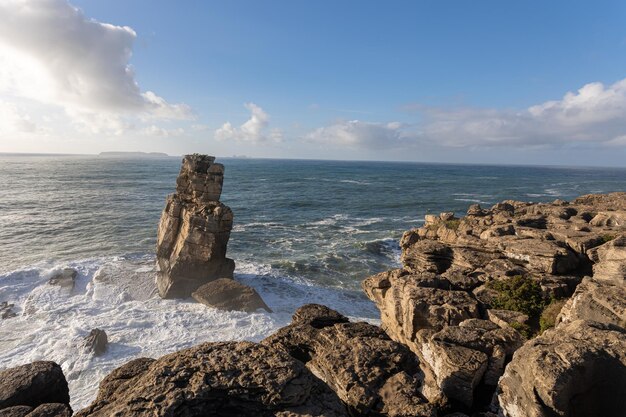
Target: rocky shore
pixel 518 310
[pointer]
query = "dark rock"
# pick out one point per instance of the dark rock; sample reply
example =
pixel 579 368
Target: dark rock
pixel 33 384
pixel 16 411
pixel 96 342
pixel 6 310
pixel 216 379
pixel 228 294
pixel 51 410
pixel 66 278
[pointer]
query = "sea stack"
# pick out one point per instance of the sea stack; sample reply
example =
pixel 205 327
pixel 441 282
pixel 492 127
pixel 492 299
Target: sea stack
pixel 194 230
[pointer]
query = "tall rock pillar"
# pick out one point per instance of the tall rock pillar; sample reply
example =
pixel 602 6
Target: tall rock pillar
pixel 194 230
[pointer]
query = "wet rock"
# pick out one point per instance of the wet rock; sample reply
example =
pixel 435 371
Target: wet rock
pixel 576 369
pixel 66 278
pixel 194 230
pixel 228 294
pixel 6 310
pixel 216 379
pixel 96 342
pixel 32 385
pixel 369 372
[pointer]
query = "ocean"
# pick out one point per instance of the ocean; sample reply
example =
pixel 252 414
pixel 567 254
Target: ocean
pixel 304 231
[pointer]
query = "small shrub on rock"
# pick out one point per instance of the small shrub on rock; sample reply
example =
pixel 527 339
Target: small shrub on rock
pixel 519 293
pixel 548 316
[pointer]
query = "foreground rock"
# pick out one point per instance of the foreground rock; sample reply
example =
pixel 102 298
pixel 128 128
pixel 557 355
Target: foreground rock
pixel 215 379
pixel 372 374
pixel 194 230
pixel 577 369
pixel 32 385
pixel 228 294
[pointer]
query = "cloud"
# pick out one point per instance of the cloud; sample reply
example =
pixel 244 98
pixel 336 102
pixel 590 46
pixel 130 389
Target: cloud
pixel 595 115
pixel 13 120
pixel 356 133
pixel 50 52
pixel 253 130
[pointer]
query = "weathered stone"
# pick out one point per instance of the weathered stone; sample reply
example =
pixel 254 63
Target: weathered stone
pixel 16 411
pixel 505 318
pixel 66 278
pixel 228 294
pixel 369 372
pixel 194 230
pixel 33 384
pixel 610 259
pixel 96 342
pixel 216 379
pixel 596 300
pixel 576 369
pixel 462 357
pixel 51 410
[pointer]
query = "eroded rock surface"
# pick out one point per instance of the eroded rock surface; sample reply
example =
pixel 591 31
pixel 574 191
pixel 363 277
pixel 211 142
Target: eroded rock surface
pixel 372 374
pixel 194 230
pixel 577 369
pixel 434 302
pixel 216 379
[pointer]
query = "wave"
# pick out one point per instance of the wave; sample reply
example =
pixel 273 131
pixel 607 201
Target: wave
pixel 118 295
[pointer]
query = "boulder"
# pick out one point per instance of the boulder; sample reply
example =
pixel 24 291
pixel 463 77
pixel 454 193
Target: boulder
pixel 610 259
pixel 228 294
pixel 577 369
pixel 96 342
pixel 194 230
pixel 216 379
pixel 66 278
pixel 370 373
pixel 33 384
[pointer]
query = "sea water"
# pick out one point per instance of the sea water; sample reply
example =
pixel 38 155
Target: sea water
pixel 304 231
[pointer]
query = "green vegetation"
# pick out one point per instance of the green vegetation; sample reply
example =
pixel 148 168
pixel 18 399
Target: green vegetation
pixel 519 293
pixel 548 316
pixel 452 224
pixel 607 238
pixel 524 329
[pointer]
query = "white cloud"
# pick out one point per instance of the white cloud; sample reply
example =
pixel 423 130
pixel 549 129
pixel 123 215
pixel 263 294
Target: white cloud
pixel 356 133
pixel 13 120
pixel 50 52
pixel 253 130
pixel 594 115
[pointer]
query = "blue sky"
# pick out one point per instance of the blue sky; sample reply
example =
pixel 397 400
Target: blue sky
pixel 447 81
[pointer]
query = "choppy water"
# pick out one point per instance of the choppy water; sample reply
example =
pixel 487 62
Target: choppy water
pixel 305 231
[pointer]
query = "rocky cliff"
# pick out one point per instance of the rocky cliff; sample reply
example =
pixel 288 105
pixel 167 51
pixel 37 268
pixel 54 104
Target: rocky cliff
pixel 194 230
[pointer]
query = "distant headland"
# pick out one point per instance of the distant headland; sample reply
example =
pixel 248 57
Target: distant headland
pixel 134 154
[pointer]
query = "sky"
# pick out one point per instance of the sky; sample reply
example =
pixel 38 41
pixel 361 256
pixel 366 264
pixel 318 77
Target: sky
pixel 527 82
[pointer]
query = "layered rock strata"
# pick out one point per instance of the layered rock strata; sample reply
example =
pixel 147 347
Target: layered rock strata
pixel 440 303
pixel 194 230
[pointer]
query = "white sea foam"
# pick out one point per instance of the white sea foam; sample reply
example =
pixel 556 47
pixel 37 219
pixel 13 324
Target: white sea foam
pixel 118 296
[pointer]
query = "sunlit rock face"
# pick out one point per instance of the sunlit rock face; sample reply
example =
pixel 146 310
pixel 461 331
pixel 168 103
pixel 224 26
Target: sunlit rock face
pixel 194 230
